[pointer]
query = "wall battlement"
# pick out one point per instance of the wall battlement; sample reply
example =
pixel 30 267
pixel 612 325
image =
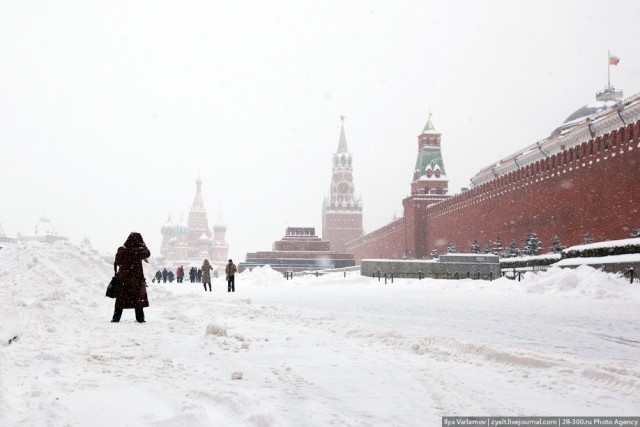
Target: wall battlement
pixel 589 188
pixel 603 148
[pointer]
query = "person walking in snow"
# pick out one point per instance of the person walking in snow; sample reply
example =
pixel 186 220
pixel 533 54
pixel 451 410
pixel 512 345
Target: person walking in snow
pixel 230 270
pixel 165 273
pixel 158 277
pixel 199 275
pixel 128 266
pixel 206 274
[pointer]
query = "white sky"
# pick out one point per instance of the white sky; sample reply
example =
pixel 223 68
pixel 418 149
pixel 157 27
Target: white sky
pixel 109 110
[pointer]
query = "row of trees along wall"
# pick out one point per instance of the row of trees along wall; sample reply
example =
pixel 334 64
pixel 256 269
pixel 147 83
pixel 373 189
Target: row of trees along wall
pixel 591 188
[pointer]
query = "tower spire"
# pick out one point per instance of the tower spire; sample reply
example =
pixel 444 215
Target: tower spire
pixel 428 127
pixel 198 204
pixel 342 144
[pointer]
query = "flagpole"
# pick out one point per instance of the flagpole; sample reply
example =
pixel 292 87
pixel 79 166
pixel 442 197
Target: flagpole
pixel 608 70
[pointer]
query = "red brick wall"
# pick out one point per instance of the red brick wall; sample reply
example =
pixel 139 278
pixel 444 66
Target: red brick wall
pixel 385 242
pixel 587 189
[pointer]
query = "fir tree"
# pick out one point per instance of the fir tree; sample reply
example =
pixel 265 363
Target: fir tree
pixel 586 240
pixel 531 244
pixel 514 251
pixel 635 233
pixel 475 247
pixel 498 247
pixel 488 248
pixel 451 249
pixel 556 245
pixel 434 254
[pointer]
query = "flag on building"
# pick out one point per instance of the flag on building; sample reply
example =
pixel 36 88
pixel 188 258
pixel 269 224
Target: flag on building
pixel 613 60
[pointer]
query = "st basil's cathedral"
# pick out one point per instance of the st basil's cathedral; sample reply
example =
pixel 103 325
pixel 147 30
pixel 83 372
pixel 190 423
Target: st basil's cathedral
pixel 189 244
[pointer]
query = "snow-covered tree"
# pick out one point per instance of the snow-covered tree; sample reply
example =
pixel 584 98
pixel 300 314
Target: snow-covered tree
pixel 586 239
pixel 434 254
pixel 514 251
pixel 451 249
pixel 498 247
pixel 488 248
pixel 556 245
pixel 531 244
pixel 475 247
pixel 635 233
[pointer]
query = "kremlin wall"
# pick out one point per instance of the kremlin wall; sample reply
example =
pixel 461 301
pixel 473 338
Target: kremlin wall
pixel 581 180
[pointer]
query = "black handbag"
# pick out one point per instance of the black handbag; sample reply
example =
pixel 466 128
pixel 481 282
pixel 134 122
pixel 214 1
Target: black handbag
pixel 114 285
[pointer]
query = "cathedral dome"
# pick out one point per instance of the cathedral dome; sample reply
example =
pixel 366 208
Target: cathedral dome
pixel 220 225
pixel 182 227
pixel 169 227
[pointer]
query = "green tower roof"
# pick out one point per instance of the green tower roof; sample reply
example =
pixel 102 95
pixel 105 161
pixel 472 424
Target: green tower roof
pixel 430 158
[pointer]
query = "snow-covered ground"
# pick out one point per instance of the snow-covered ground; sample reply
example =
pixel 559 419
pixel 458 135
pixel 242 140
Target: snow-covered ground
pixel 312 351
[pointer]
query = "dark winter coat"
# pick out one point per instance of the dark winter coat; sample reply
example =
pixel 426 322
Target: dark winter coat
pixel 133 292
pixel 206 272
pixel 230 269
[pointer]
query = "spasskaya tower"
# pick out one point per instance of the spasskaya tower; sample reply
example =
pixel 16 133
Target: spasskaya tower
pixel 341 211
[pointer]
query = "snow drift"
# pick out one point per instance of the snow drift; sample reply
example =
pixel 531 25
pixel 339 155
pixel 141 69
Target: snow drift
pixel 309 351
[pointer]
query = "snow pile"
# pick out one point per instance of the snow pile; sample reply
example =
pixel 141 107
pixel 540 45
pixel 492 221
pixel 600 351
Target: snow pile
pixel 309 351
pixel 583 281
pixel 216 329
pixel 609 259
pixel 10 326
pixel 606 244
pixel 262 276
pixel 48 280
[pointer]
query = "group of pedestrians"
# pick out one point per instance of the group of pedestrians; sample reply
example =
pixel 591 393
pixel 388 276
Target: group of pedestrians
pixel 195 275
pixel 132 292
pixel 230 270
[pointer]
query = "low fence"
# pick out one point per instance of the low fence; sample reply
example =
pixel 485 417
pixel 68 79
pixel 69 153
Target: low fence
pixel 518 273
pixel 317 273
pixel 442 276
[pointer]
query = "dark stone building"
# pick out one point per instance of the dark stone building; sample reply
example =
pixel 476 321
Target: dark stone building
pixel 299 250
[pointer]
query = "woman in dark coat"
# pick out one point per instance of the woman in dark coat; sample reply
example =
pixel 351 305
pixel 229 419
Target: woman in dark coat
pixel 133 291
pixel 206 274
